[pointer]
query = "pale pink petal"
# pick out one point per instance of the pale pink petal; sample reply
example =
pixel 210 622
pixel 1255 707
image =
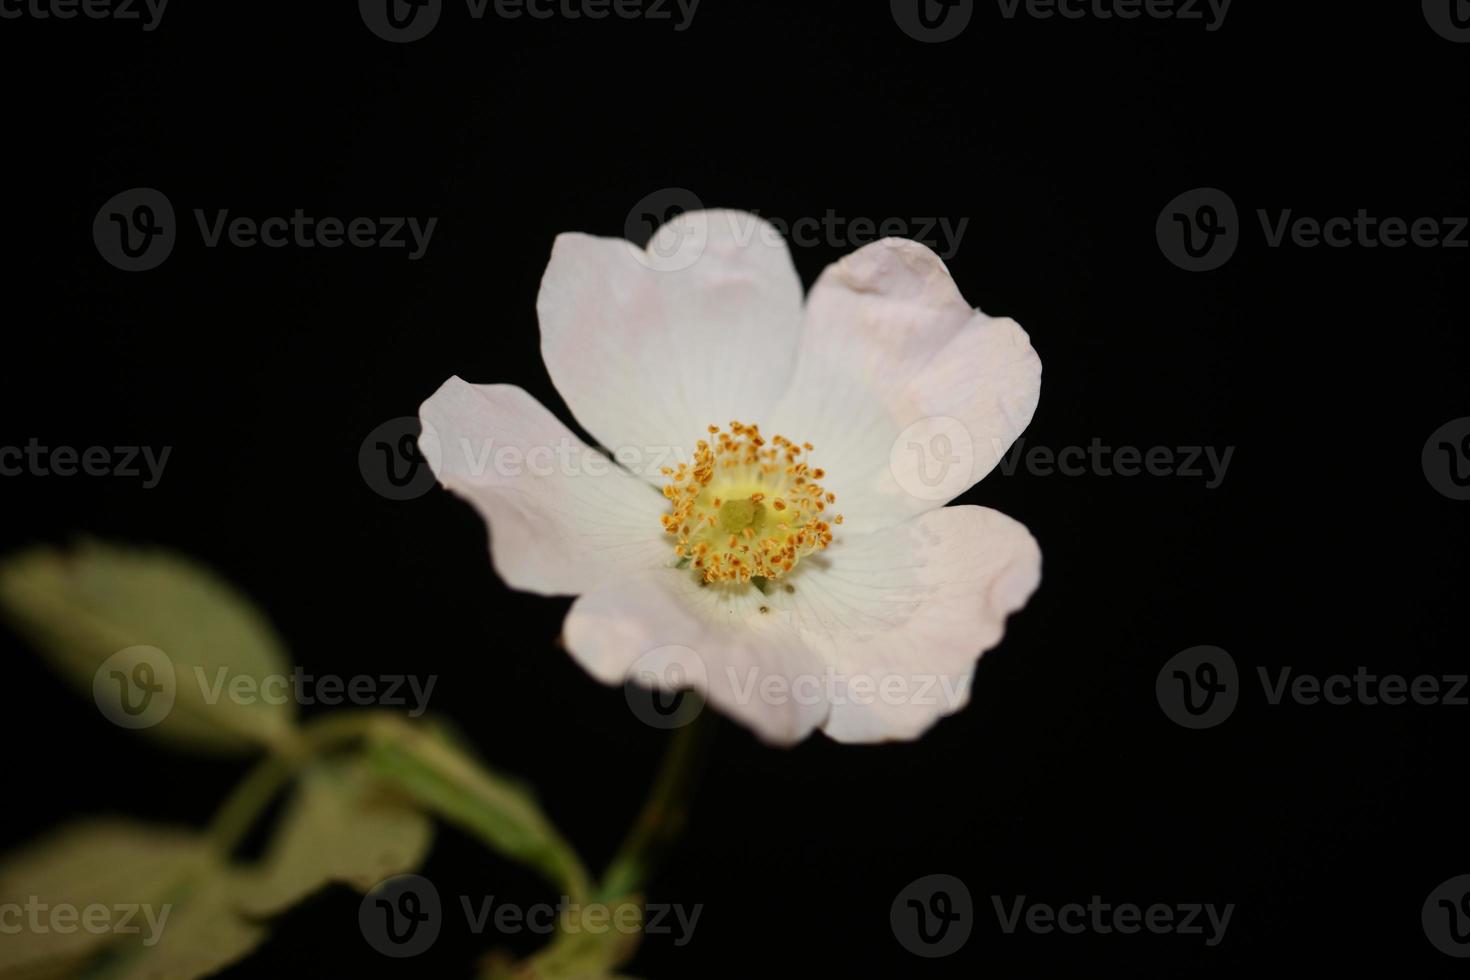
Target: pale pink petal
pixel 909 395
pixel 563 519
pixel 747 663
pixel 901 616
pixel 650 347
pixel 873 640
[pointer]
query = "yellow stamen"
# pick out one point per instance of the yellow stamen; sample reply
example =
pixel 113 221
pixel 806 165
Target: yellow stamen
pixel 720 513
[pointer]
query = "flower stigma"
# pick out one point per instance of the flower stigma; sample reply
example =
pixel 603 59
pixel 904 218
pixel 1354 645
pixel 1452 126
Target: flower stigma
pixel 747 509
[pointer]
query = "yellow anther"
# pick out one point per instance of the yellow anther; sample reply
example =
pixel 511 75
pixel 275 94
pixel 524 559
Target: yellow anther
pixel 719 511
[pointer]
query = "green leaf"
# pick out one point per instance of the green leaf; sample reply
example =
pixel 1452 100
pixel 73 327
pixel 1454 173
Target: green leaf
pixel 99 869
pixel 342 825
pixel 203 934
pixel 161 644
pixel 449 782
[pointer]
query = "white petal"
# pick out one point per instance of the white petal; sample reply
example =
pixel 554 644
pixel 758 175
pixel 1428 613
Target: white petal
pixel 563 519
pixel 649 347
pixel 876 640
pixel 909 395
pixel 901 616
pixel 736 649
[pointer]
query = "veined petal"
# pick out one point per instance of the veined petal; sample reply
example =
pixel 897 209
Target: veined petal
pixel 563 518
pixel 738 651
pixel 902 615
pixel 874 640
pixel 650 346
pixel 909 395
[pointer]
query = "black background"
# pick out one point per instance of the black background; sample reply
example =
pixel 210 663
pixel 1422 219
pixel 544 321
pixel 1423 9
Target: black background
pixel 1324 549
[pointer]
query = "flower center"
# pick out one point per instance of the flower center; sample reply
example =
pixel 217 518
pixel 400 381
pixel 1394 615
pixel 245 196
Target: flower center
pixel 746 508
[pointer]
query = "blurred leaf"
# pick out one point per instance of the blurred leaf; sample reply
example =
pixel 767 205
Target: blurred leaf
pixel 203 934
pixel 100 868
pixel 451 783
pixel 341 826
pixel 102 614
pixel 584 954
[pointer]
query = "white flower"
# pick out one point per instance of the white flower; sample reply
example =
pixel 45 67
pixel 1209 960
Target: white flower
pixel 866 625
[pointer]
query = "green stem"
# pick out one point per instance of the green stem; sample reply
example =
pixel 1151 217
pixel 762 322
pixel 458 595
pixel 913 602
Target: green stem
pixel 665 812
pixel 234 818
